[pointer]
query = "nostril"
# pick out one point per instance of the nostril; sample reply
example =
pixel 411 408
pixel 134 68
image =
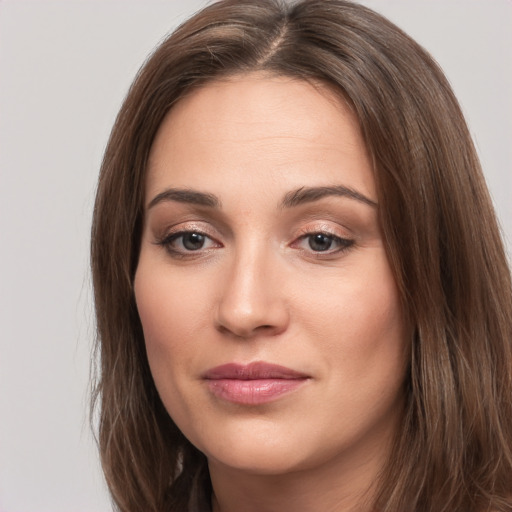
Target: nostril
pixel 246 332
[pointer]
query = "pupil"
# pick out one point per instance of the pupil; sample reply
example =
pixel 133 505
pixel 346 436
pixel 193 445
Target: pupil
pixel 320 242
pixel 193 241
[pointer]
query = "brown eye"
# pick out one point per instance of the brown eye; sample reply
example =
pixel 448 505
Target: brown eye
pixel 193 241
pixel 320 242
pixel 185 243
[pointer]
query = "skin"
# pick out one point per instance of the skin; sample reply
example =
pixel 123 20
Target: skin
pixel 258 291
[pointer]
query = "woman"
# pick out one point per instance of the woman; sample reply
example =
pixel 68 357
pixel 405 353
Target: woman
pixel 302 298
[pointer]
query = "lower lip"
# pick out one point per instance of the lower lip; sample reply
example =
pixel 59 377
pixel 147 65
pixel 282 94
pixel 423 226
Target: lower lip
pixel 254 391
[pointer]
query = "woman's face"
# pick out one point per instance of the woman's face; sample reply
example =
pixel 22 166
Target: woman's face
pixel 271 317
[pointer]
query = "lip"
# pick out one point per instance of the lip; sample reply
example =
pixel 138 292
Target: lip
pixel 254 383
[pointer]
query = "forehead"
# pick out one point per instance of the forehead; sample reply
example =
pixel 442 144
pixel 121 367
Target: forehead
pixel 254 127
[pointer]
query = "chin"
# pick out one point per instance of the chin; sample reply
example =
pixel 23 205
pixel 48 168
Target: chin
pixel 262 448
pixel 257 460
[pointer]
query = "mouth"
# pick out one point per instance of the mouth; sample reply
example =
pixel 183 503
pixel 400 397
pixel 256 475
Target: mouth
pixel 252 384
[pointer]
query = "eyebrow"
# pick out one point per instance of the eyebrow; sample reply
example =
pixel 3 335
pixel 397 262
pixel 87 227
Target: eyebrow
pixel 185 195
pixel 310 194
pixel 294 198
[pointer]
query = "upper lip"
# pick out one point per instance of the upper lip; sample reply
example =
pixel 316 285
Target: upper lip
pixel 252 371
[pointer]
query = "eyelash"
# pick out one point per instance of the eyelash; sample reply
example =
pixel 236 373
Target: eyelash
pixel 344 244
pixel 167 242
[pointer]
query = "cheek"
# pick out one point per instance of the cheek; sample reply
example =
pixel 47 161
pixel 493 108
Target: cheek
pixel 357 320
pixel 173 316
pixel 353 302
pixel 170 318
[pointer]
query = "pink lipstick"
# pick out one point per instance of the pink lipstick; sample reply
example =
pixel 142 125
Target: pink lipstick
pixel 252 384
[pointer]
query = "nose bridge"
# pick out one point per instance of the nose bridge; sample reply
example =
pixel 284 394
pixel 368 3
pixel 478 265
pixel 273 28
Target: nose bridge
pixel 251 300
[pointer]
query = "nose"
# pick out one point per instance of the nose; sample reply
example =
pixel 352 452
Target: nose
pixel 252 301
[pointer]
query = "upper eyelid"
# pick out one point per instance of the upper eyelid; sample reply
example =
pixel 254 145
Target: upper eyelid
pixel 340 231
pixel 216 232
pixel 209 227
pixel 187 227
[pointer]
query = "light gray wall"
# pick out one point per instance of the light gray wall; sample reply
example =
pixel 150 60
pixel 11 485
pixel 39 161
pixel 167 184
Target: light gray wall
pixel 65 66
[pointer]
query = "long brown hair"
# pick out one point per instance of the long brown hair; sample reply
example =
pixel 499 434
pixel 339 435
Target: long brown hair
pixel 454 449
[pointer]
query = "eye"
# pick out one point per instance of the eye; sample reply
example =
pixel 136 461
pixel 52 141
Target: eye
pixel 184 242
pixel 192 241
pixel 320 242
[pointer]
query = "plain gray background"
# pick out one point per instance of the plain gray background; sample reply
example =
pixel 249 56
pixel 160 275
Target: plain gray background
pixel 64 68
